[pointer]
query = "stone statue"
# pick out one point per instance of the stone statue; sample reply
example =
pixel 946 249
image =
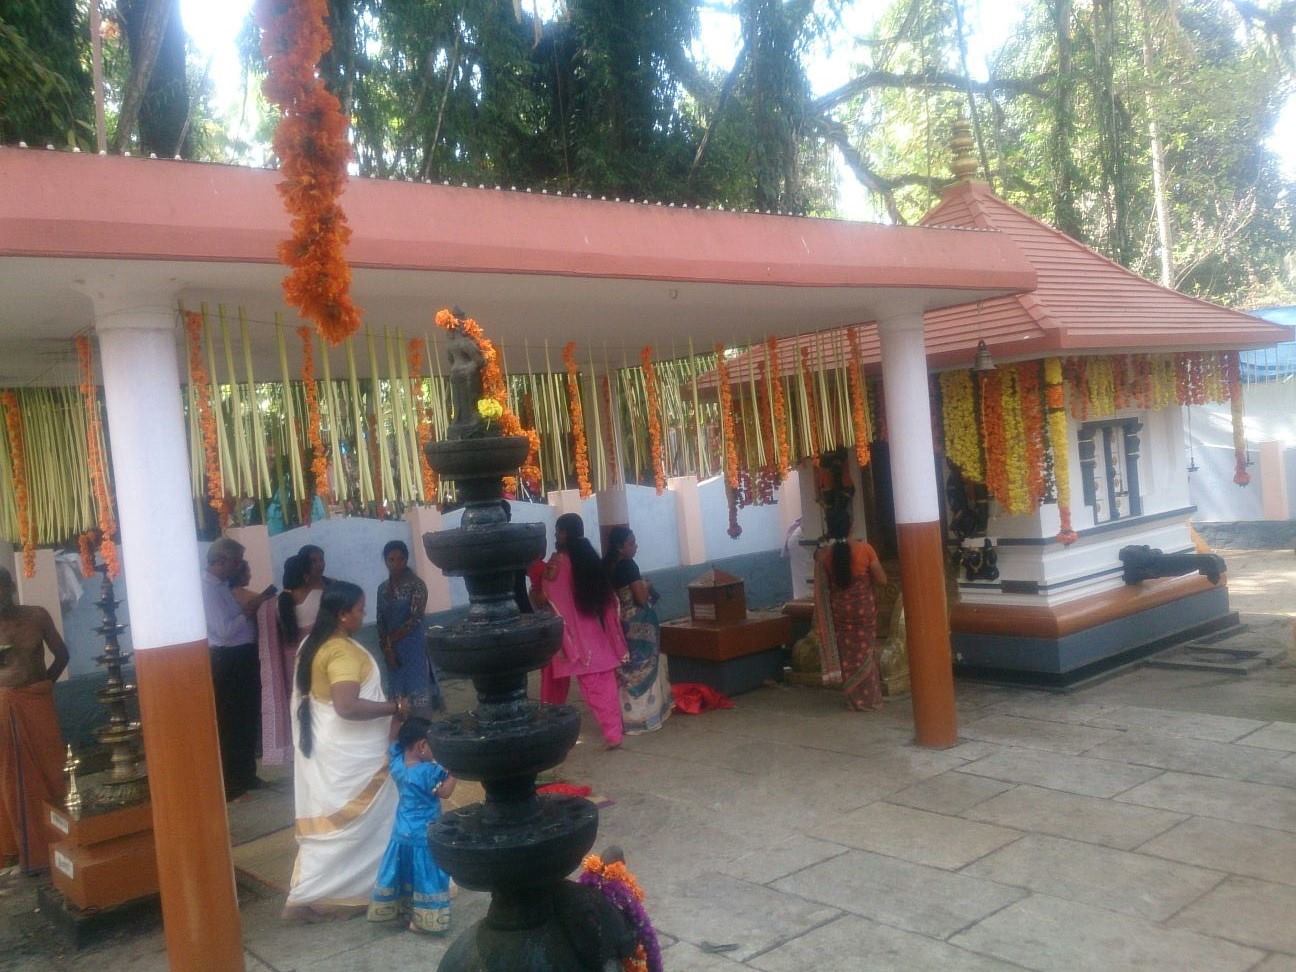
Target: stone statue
pixel 466 363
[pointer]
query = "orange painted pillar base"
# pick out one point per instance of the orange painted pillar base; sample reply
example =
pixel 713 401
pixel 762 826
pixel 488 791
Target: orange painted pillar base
pixel 195 865
pixel 927 636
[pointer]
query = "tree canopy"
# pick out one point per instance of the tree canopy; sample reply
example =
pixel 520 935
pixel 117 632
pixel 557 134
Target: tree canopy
pixel 1136 126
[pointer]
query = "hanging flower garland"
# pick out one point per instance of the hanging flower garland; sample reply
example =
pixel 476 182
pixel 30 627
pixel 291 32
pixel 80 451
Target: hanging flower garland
pixel 206 420
pixel 1057 427
pixel 1164 381
pixel 1014 444
pixel 781 430
pixel 1143 380
pixel 22 496
pixel 107 520
pixel 812 405
pixel 311 142
pixel 580 449
pixel 959 418
pixel 615 882
pixel 415 351
pixel 654 418
pixel 725 392
pixel 1232 374
pixel 319 461
pixel 861 420
pixel 609 431
pixel 1033 432
pixel 992 427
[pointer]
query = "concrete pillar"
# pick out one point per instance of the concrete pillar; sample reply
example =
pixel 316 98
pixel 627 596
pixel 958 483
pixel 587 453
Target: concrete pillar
pixel 789 501
pixel 918 532
pixel 427 519
pixel 137 341
pixel 688 519
pixel 1273 480
pixel 613 511
pixel 42 590
pixel 565 500
pixel 256 551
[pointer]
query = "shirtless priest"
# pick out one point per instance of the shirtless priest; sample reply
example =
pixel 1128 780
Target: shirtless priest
pixel 31 746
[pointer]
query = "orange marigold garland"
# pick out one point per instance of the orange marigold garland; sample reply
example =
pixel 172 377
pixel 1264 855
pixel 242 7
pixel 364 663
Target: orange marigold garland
pixel 311 142
pixel 415 351
pixel 319 460
pixel 781 432
pixel 1032 417
pixel 22 497
pixel 1057 428
pixel 654 419
pixel 861 421
pixel 107 519
pixel 1232 368
pixel 725 392
pixel 206 419
pixel 580 448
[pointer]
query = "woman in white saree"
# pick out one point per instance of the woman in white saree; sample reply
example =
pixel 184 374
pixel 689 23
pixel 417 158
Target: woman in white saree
pixel 346 801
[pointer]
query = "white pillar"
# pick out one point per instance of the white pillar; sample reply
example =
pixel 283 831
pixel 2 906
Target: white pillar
pixel 137 343
pixel 688 519
pixel 918 533
pixel 427 519
pixel 1273 480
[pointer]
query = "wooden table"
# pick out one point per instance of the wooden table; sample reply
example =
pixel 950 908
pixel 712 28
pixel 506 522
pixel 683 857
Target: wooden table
pixel 731 658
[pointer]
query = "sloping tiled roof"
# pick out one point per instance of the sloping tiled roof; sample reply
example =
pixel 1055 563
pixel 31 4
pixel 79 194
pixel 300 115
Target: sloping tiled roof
pixel 1083 303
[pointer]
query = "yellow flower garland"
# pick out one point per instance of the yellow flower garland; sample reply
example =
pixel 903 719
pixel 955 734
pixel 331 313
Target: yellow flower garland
pixel 959 419
pixel 1017 500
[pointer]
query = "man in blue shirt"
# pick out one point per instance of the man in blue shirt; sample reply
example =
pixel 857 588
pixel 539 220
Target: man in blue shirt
pixel 236 666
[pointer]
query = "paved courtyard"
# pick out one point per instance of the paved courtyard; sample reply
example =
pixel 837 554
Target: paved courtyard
pixel 1147 822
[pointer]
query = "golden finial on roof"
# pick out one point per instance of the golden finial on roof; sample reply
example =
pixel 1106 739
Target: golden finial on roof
pixel 963 162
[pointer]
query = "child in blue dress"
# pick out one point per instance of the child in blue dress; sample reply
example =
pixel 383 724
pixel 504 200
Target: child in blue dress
pixel 409 881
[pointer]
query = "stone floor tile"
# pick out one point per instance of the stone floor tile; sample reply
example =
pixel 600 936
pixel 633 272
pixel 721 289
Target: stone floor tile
pixel 970 749
pixel 781 858
pixel 921 899
pixel 1086 818
pixel 399 949
pixel 1145 747
pixel 1281 773
pixel 1245 910
pixel 1056 737
pixel 1053 935
pixel 1050 708
pixel 1197 725
pixel 1205 796
pixel 683 957
pixel 1074 774
pixel 916 835
pixel 854 944
pixel 1145 887
pixel 949 793
pixel 1226 846
pixel 720 909
pixel 1276 735
pixel 1277 963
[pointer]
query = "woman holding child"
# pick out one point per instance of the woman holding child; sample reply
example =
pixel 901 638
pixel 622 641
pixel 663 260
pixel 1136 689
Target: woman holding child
pixel 345 798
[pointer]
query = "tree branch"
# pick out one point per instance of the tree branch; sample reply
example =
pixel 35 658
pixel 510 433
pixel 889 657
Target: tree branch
pixel 942 80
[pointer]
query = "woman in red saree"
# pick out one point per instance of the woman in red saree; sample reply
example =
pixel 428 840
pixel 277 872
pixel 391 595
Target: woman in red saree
pixel 847 573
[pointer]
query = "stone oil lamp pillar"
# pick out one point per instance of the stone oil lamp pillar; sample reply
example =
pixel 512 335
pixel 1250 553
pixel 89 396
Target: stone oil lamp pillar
pixel 518 845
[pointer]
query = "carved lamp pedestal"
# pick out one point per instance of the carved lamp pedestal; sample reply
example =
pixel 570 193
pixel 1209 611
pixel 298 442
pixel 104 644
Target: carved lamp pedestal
pixel 518 845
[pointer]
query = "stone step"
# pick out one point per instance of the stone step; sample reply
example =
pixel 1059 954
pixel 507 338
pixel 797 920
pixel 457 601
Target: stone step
pixel 1236 650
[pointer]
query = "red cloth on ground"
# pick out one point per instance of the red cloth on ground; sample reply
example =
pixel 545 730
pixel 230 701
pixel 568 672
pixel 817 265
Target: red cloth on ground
pixel 565 789
pixel 694 698
pixel 31 771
